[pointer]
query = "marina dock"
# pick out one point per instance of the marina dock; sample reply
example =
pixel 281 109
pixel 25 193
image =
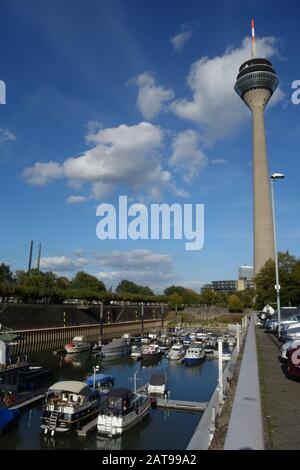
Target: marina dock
pixel 182 405
pixel 28 402
pixel 91 426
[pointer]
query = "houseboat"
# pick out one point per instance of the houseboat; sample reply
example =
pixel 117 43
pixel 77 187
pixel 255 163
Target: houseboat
pixel 69 405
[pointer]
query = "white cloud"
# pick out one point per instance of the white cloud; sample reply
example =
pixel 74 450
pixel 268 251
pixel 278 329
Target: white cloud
pixel 151 97
pixel 218 161
pixel 124 155
pixel 62 263
pixel 179 40
pixel 187 157
pixel 134 260
pixel 214 104
pixel 141 266
pixel 41 174
pixel 6 136
pixel 155 280
pixel 76 199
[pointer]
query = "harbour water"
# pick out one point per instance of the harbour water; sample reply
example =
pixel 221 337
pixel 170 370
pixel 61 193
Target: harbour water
pixel 163 429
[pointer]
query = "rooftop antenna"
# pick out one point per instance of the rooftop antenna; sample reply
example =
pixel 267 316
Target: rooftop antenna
pixel 253 48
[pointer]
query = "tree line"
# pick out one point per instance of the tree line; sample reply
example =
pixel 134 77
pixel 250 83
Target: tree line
pixel 48 287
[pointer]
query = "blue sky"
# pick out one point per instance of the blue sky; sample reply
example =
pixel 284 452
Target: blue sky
pixel 108 97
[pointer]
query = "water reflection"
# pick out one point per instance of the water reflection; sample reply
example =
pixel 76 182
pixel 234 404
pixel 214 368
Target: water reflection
pixel 79 360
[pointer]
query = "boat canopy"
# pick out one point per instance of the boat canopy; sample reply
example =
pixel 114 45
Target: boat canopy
pixel 120 393
pixel 71 386
pixel 115 343
pixel 99 379
pixel 158 379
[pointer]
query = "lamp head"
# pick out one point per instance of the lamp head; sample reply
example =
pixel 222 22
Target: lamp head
pixel 277 176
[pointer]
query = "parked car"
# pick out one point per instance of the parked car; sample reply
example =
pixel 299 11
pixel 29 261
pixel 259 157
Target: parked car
pixel 286 347
pixel 293 369
pixel 288 315
pixel 291 334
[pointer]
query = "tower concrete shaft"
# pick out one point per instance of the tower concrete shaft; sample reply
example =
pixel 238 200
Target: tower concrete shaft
pixel 263 237
pixel 255 84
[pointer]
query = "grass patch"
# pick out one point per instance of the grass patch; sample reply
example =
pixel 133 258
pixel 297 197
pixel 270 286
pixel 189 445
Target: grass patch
pixel 264 397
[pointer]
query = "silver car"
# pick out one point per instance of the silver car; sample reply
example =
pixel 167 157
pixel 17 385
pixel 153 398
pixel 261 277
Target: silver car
pixel 286 347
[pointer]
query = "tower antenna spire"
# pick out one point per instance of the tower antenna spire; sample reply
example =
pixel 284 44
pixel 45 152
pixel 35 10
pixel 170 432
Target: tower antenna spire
pixel 253 48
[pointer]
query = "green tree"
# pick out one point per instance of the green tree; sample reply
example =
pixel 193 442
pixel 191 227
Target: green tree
pixel 208 297
pixel 235 304
pixel 174 290
pixel 130 287
pixel 289 275
pixel 83 280
pixel 5 273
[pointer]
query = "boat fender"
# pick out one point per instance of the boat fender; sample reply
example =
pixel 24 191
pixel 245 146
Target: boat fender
pixel 8 401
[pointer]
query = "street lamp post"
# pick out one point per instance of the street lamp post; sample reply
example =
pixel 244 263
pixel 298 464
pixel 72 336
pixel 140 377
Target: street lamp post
pixel 274 177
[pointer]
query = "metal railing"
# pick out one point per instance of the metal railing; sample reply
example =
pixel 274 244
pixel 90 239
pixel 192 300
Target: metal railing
pixel 205 430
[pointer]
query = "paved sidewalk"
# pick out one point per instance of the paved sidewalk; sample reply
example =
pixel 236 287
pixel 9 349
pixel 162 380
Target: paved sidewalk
pixel 245 430
pixel 280 397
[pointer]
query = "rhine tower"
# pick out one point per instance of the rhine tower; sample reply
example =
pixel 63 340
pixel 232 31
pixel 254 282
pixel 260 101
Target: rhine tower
pixel 255 84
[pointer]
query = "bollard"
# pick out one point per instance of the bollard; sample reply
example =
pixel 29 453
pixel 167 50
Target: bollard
pixel 237 337
pixel 220 370
pixel 142 318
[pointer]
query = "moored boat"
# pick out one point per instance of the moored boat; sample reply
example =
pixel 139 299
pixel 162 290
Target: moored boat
pixel 176 352
pixel 122 410
pixel 150 354
pixel 69 405
pixel 157 384
pixel 194 355
pixel 8 419
pixel 78 344
pixel 102 382
pixel 116 349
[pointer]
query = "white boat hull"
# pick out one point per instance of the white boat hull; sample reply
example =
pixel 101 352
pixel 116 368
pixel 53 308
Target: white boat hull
pixel 77 349
pixel 114 425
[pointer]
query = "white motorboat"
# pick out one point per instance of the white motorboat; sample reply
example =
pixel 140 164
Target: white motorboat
pixel 176 352
pixel 78 344
pixel 69 405
pixel 157 384
pixel 121 411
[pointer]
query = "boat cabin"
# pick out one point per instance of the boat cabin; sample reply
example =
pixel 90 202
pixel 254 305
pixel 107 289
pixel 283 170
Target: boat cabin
pixel 118 400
